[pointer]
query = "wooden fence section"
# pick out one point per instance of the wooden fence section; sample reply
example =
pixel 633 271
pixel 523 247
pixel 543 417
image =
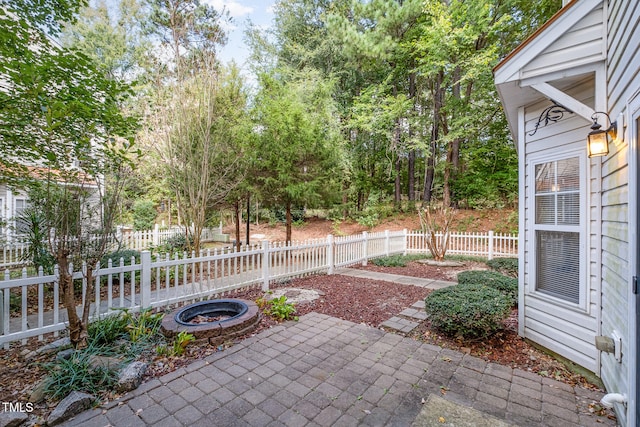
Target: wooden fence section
pixel 31 306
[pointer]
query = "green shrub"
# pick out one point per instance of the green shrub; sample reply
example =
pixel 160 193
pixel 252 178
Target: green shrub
pixel 507 285
pixel 176 243
pixel 470 311
pixel 395 260
pixel 144 215
pixel 507 266
pixel 126 254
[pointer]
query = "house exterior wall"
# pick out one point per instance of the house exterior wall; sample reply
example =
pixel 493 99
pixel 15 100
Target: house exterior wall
pixel 581 44
pixel 623 84
pixel 566 329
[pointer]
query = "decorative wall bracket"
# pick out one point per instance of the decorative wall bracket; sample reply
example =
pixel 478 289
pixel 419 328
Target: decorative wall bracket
pixel 553 113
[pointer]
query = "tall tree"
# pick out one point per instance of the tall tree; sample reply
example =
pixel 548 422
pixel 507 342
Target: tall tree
pixel 204 127
pixel 190 31
pixel 112 37
pixel 59 110
pixel 298 157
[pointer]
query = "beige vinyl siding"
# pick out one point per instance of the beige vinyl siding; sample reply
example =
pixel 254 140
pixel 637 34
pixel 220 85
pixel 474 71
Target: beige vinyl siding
pixel 567 330
pixel 582 44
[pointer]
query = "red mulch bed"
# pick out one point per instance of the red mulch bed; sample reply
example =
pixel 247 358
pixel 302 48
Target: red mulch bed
pixel 368 302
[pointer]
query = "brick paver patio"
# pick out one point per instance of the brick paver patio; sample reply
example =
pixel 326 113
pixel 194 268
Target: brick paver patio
pixel 324 371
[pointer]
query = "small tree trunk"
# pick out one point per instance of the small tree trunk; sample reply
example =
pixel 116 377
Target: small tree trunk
pixel 77 331
pixel 248 215
pixel 288 223
pixel 236 208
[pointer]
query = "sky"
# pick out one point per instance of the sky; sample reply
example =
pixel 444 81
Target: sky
pixel 258 12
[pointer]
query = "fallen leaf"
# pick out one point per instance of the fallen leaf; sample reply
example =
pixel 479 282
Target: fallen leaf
pixel 441 420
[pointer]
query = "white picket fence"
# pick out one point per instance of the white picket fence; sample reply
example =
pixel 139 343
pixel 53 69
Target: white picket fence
pixel 32 306
pixel 13 254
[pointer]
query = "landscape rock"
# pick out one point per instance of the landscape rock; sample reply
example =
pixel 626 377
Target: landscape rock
pixel 12 419
pixel 71 405
pixel 106 362
pixel 65 354
pixel 54 346
pixel 130 376
pixel 37 394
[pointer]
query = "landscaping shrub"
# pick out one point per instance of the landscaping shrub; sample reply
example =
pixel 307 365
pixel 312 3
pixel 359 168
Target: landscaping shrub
pixel 176 243
pixel 507 266
pixel 144 215
pixel 507 285
pixel 395 260
pixel 471 311
pixel 126 254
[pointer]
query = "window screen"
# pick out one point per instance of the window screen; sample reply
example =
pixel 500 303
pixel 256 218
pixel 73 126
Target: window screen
pixel 557 234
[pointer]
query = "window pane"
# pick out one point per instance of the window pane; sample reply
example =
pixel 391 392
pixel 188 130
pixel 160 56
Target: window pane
pixel 558 264
pixel 545 177
pixel 545 209
pixel 569 209
pixel 568 175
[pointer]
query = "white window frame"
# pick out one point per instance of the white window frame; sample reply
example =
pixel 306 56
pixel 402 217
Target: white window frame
pixel 583 301
pixel 25 201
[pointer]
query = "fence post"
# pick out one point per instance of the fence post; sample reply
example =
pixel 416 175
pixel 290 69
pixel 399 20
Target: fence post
pixel 266 267
pixel 490 256
pixel 405 243
pixel 145 279
pixel 387 243
pixel 156 235
pixel 330 260
pixel 365 244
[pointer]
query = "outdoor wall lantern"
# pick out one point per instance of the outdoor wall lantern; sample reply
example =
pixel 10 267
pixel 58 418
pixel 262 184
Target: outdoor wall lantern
pixel 598 139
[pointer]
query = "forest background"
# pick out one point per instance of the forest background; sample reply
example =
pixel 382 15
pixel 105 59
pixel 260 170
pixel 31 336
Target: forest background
pixel 357 108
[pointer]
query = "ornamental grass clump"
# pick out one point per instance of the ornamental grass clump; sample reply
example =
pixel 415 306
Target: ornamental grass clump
pixel 467 311
pixel 507 285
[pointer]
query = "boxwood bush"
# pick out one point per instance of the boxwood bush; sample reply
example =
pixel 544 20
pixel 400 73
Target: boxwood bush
pixel 471 311
pixel 395 260
pixel 507 285
pixel 507 266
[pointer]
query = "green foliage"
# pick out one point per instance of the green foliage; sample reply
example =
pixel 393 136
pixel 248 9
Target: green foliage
pixel 375 209
pixel 470 311
pixel 178 347
pixel 506 266
pixel 278 308
pixel 143 326
pixel 507 285
pixel 181 341
pixel 395 260
pixel 125 254
pixel 78 373
pixel 107 330
pixel 279 214
pixel 176 243
pixel 144 215
pixel 33 226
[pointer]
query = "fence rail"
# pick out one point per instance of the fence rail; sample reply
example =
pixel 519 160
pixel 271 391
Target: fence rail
pixel 31 306
pixel 15 254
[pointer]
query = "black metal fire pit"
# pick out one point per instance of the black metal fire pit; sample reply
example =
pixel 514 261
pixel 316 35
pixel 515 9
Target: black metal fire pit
pixel 215 321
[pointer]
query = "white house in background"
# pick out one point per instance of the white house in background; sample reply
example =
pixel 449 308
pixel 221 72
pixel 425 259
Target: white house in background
pixel 579 214
pixel 12 203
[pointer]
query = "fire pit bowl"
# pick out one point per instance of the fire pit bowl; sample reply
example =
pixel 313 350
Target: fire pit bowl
pixel 213 321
